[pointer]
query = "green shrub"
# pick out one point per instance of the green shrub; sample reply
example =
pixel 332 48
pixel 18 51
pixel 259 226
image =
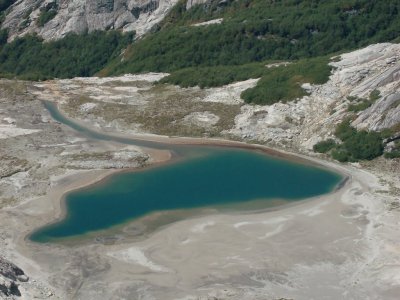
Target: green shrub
pixel 364 145
pixel 340 155
pixel 324 146
pixel 355 146
pixel 344 130
pixel 45 16
pixel 359 106
pixel 375 95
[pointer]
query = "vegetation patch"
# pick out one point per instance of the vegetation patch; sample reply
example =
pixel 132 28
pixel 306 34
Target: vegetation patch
pixel 45 16
pixel 284 83
pixel 280 83
pixel 75 55
pixel 259 30
pixel 206 77
pixel 361 104
pixel 324 146
pixel 253 31
pixel 355 145
pixel 3 37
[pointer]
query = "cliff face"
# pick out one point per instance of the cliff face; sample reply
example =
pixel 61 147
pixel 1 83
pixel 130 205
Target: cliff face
pixel 53 19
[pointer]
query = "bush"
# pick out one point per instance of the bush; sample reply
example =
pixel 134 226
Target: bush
pixel 375 95
pixel 324 146
pixel 45 16
pixel 356 145
pixel 359 106
pixel 345 131
pixel 341 155
pixel 364 145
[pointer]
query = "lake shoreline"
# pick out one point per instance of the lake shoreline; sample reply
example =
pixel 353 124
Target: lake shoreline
pixel 162 157
pixel 313 238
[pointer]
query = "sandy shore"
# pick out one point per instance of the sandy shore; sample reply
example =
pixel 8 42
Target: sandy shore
pixel 78 180
pixel 323 248
pixel 313 241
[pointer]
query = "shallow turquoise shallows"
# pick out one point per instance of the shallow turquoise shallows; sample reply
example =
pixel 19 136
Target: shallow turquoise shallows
pixel 214 177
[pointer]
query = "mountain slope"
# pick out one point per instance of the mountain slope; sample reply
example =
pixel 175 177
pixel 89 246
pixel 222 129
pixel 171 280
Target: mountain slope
pixel 53 19
pixel 258 30
pixel 241 32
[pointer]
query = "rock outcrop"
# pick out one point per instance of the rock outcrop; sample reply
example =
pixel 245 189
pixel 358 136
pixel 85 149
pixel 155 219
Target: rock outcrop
pixel 81 16
pixel 10 275
pixel 302 123
pixel 220 3
pixel 191 3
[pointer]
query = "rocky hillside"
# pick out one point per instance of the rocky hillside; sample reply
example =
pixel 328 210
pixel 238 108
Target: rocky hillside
pixel 53 19
pixel 234 33
pixel 300 124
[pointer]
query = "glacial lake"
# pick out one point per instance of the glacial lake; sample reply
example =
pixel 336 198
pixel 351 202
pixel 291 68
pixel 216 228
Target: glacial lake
pixel 209 176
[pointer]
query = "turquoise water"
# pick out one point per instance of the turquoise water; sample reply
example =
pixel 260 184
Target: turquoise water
pixel 207 177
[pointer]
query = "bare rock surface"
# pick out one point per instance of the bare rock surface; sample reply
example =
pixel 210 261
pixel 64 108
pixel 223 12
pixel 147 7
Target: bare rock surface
pixel 10 274
pixel 191 3
pixel 300 124
pixel 85 16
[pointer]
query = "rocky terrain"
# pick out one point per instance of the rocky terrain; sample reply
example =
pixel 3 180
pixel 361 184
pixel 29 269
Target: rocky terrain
pixel 298 125
pixel 302 123
pixel 35 152
pixel 34 135
pixel 351 254
pixel 84 16
pixel 10 274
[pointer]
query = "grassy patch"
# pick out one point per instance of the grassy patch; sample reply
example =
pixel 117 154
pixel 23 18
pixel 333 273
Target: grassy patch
pixel 284 83
pixel 164 112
